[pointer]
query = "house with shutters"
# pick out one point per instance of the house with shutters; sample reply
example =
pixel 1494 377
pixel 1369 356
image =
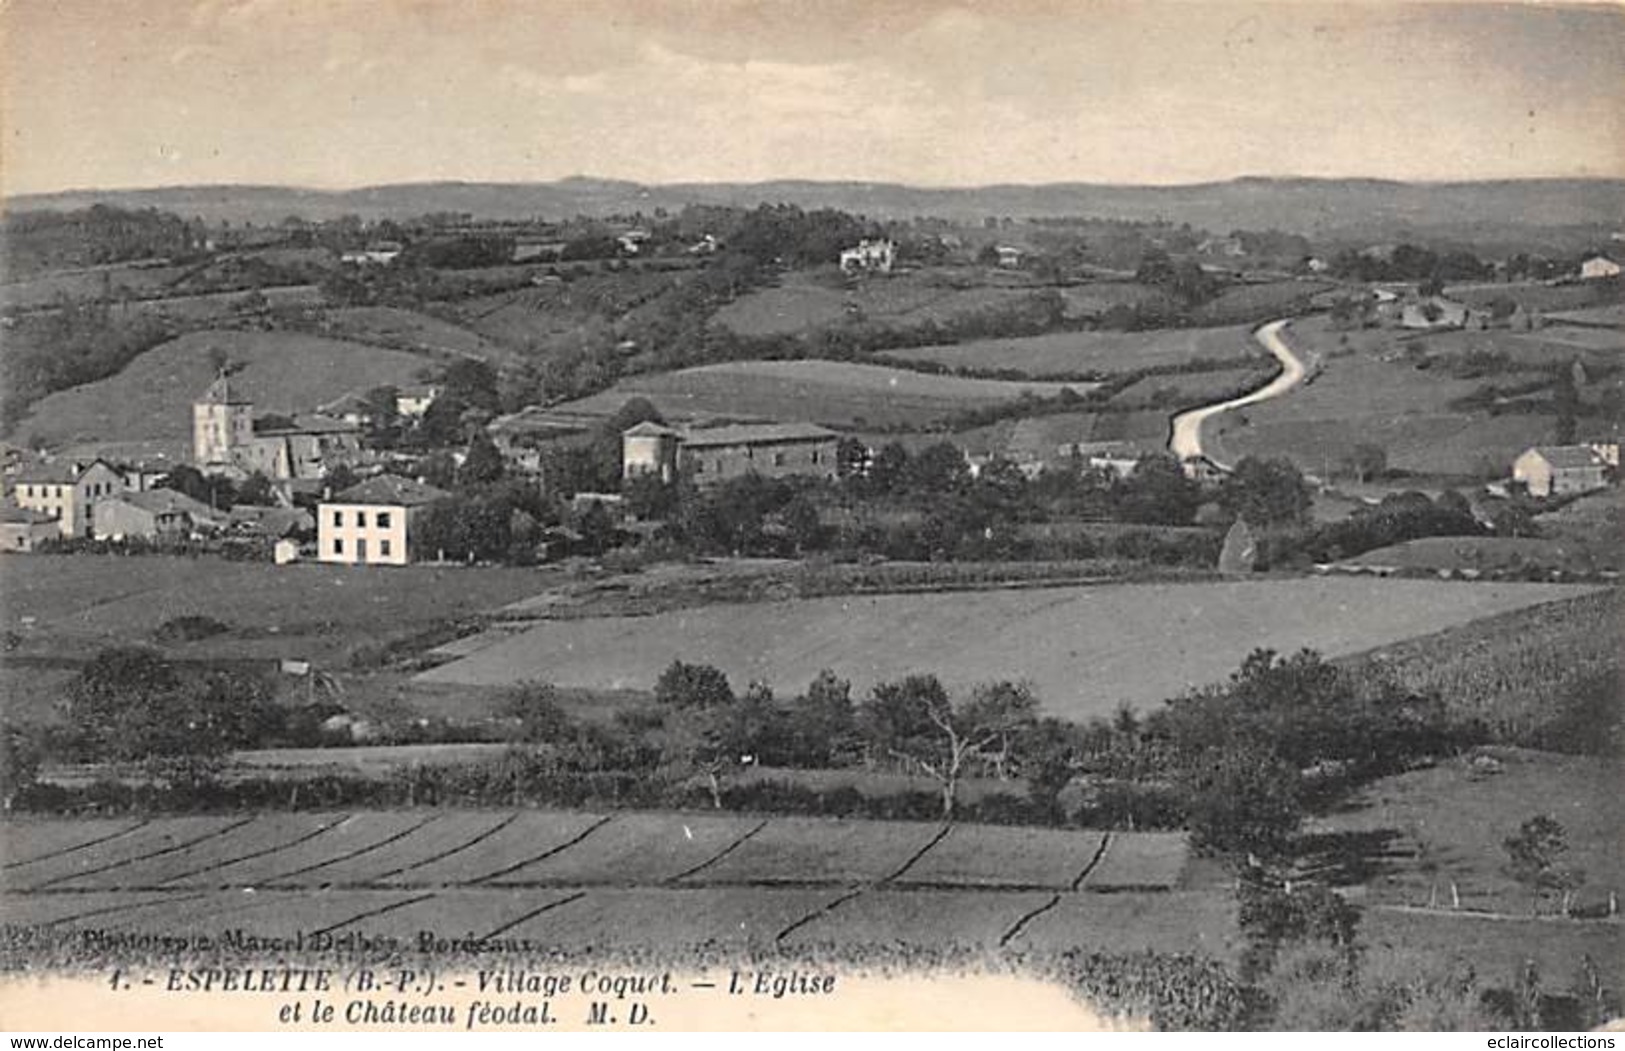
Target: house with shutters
pixel 371 523
pixel 66 491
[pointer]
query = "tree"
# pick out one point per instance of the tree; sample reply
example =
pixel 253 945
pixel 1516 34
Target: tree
pixel 256 489
pixel 21 754
pixel 1266 492
pixel 1535 859
pixel 851 457
pixel 1366 461
pixel 1157 492
pixel 1242 801
pixel 712 740
pixel 914 720
pixel 130 705
pixel 693 686
pixel 483 462
pixel 535 707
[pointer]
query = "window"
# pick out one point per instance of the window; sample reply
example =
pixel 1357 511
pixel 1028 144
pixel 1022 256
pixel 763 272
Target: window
pixel 361 519
pixel 778 459
pixel 699 465
pixel 338 545
pixel 383 523
pixel 815 456
pixel 28 490
pixel 338 519
pixel 383 548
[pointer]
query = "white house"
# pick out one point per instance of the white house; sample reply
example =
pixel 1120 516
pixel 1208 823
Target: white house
pixel 413 402
pixel 66 491
pixel 1598 266
pixel 379 253
pixel 869 256
pixel 371 523
pixel 1556 470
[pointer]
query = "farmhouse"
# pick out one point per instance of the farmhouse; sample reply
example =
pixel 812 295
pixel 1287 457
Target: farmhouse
pixel 22 529
pixel 1120 458
pixel 66 491
pixel 869 256
pixel 1598 267
pixel 371 523
pixel 379 253
pixel 715 454
pixel 413 402
pixel 1010 256
pixel 226 439
pixel 153 515
pixel 1556 470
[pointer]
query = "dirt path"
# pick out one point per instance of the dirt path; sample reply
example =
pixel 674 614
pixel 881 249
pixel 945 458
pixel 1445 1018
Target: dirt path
pixel 1186 439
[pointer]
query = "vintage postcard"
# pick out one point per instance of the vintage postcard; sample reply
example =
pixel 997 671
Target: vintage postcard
pixel 552 515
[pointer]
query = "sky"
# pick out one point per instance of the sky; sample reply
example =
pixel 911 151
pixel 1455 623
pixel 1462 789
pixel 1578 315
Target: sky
pixel 344 93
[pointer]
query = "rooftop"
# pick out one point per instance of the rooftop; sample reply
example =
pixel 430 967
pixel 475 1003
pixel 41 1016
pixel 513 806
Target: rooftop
pixel 220 393
pixel 167 501
pixel 23 516
pixel 390 490
pixel 1568 455
pixel 56 472
pixel 757 434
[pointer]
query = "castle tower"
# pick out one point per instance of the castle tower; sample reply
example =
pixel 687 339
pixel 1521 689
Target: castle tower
pixel 222 422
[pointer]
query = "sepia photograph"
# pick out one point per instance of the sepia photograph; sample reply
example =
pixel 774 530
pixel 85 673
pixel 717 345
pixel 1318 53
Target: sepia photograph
pixel 886 515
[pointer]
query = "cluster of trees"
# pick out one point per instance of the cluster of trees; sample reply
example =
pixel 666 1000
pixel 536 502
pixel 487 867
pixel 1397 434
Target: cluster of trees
pixel 76 343
pixel 1408 262
pixel 45 240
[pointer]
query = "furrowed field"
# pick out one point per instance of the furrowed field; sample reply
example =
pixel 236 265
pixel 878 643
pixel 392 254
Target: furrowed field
pixel 1086 649
pixel 830 392
pixel 576 881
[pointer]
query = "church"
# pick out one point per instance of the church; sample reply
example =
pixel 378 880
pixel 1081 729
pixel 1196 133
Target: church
pixel 227 440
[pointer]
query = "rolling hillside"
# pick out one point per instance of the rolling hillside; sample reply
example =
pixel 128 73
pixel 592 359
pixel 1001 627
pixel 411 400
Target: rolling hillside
pixel 1467 211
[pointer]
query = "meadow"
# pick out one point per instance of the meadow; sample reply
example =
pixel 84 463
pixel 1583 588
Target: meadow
pixel 808 301
pixel 411 330
pixel 1085 649
pixel 1072 353
pixel 1369 392
pixel 151 399
pixel 835 393
pixel 72 605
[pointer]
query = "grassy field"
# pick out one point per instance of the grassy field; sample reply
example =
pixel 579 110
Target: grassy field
pixel 70 606
pixel 1085 649
pixel 1192 388
pixel 1258 302
pixel 152 397
pixel 1448 823
pixel 1612 315
pixel 829 392
pixel 1496 554
pixel 1369 392
pixel 1065 353
pixel 1537 295
pixel 1094 299
pixel 87 284
pixel 411 330
pixel 804 302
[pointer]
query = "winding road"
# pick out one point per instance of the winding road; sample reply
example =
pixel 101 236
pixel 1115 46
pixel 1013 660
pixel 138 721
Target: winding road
pixel 1186 439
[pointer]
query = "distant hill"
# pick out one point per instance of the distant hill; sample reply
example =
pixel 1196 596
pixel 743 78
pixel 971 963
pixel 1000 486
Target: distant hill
pixel 1327 209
